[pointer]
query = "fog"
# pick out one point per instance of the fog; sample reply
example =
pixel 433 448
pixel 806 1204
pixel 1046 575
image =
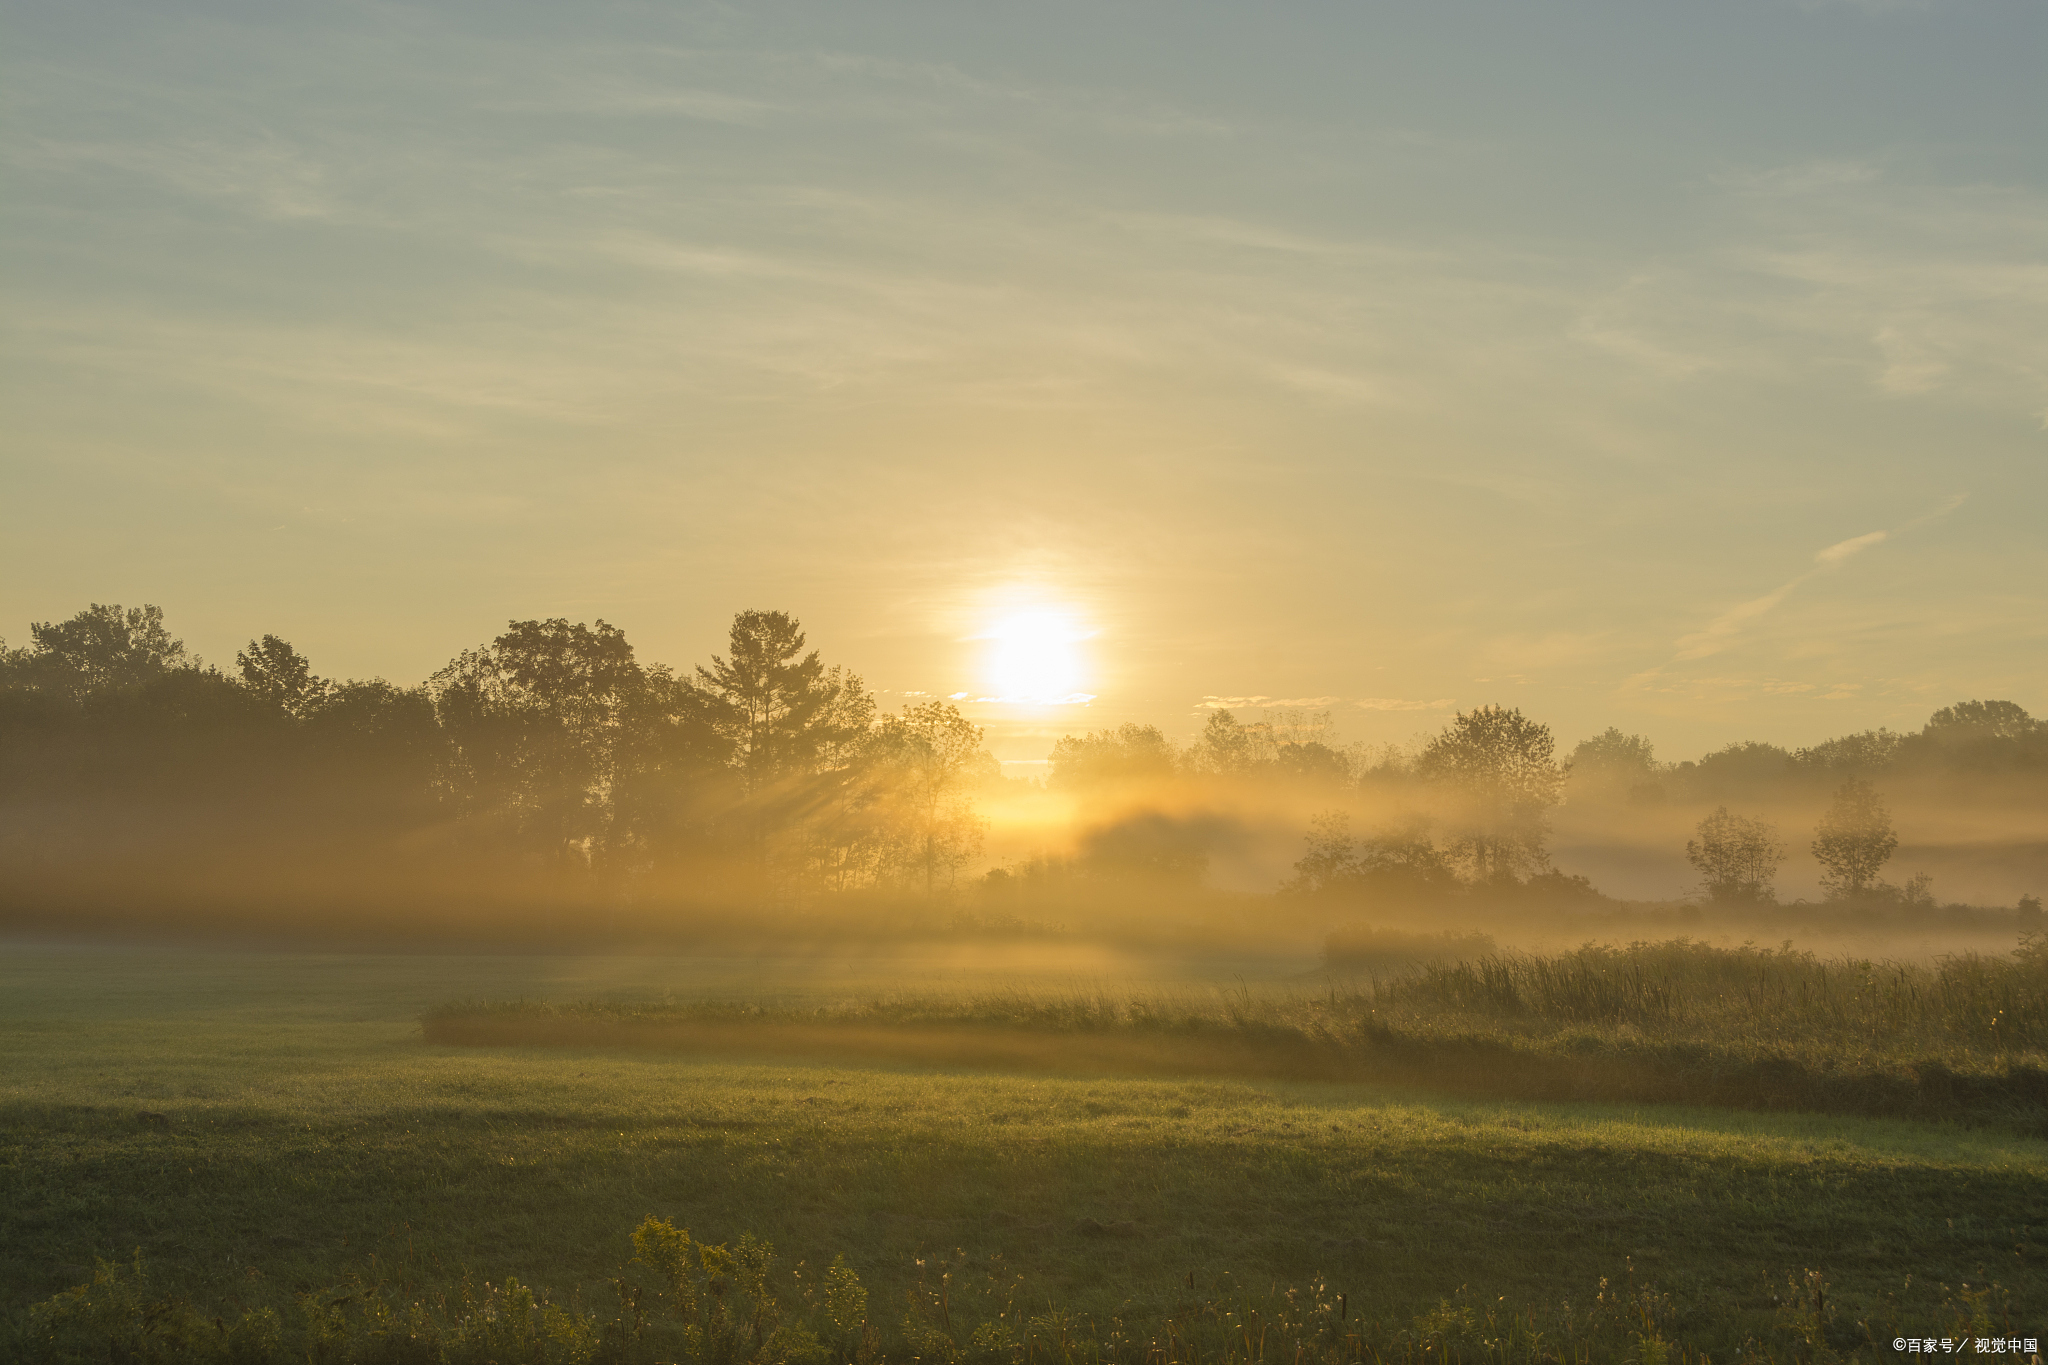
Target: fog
pixel 549 788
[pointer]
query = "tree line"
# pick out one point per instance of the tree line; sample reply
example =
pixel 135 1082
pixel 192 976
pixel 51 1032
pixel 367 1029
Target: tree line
pixel 550 767
pixel 550 776
pixel 1495 779
pixel 1472 806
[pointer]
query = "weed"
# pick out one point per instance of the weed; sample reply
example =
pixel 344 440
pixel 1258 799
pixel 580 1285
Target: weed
pixel 714 1306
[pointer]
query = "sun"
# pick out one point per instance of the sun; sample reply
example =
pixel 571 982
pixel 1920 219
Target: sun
pixel 1035 657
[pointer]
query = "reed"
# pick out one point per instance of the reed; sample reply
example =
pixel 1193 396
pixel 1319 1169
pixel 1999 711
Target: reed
pixel 1964 1037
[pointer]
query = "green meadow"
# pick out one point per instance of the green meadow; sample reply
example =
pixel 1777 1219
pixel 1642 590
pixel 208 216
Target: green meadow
pixel 267 1129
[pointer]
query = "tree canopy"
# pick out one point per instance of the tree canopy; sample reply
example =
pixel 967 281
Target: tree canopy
pixel 1501 763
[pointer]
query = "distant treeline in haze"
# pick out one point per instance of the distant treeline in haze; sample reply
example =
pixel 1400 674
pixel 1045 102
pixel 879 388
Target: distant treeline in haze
pixel 550 783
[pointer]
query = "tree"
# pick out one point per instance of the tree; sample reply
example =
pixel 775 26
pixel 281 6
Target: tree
pixel 798 736
pixel 1129 754
pixel 1613 757
pixel 1983 719
pixel 929 760
pixel 1332 857
pixel 1612 766
pixel 102 648
pixel 1853 840
pixel 379 719
pixel 280 675
pixel 783 712
pixel 1748 768
pixel 1225 746
pixel 535 716
pixel 378 756
pixel 568 671
pixel 671 776
pixel 1737 857
pixel 1397 863
pixel 1980 737
pixel 1871 751
pixel 1291 744
pixel 1499 764
pixel 1312 763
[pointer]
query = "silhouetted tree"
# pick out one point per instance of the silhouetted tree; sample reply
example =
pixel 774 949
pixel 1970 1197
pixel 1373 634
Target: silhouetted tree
pixel 1975 737
pixel 1612 765
pixel 1129 754
pixel 1499 763
pixel 1736 856
pixel 672 781
pixel 928 761
pixel 1225 746
pixel 1291 746
pixel 783 712
pixel 1854 840
pixel 534 717
pixel 280 675
pixel 100 649
pixel 1614 756
pixel 1869 752
pixel 377 766
pixel 382 725
pixel 1983 719
pixel 797 733
pixel 1332 857
pixel 1747 770
pixel 1311 763
pixel 1396 865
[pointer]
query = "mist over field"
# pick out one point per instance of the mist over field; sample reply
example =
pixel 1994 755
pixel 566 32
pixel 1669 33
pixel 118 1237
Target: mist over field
pixel 549 788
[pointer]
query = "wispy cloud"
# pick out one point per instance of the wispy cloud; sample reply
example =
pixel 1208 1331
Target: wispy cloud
pixel 587 93
pixel 265 173
pixel 1936 513
pixel 1724 630
pixel 1260 700
pixel 1871 7
pixel 1362 703
pixel 1841 552
pixel 1725 690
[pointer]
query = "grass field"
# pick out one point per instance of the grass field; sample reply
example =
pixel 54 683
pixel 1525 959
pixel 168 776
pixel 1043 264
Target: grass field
pixel 264 1126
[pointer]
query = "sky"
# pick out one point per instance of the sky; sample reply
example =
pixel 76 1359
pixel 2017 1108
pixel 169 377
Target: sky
pixel 1677 367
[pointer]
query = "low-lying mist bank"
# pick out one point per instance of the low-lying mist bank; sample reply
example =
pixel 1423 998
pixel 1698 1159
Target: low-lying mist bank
pixel 1962 1039
pixel 549 789
pixel 1304 932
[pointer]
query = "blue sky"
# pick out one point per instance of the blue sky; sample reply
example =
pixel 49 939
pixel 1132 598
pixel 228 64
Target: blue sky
pixel 1394 358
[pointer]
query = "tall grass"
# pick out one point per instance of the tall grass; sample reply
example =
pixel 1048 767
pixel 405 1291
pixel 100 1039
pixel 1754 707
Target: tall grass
pixel 1962 1037
pixel 1964 1005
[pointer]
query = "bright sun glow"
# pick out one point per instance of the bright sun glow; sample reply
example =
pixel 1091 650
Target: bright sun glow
pixel 1034 658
